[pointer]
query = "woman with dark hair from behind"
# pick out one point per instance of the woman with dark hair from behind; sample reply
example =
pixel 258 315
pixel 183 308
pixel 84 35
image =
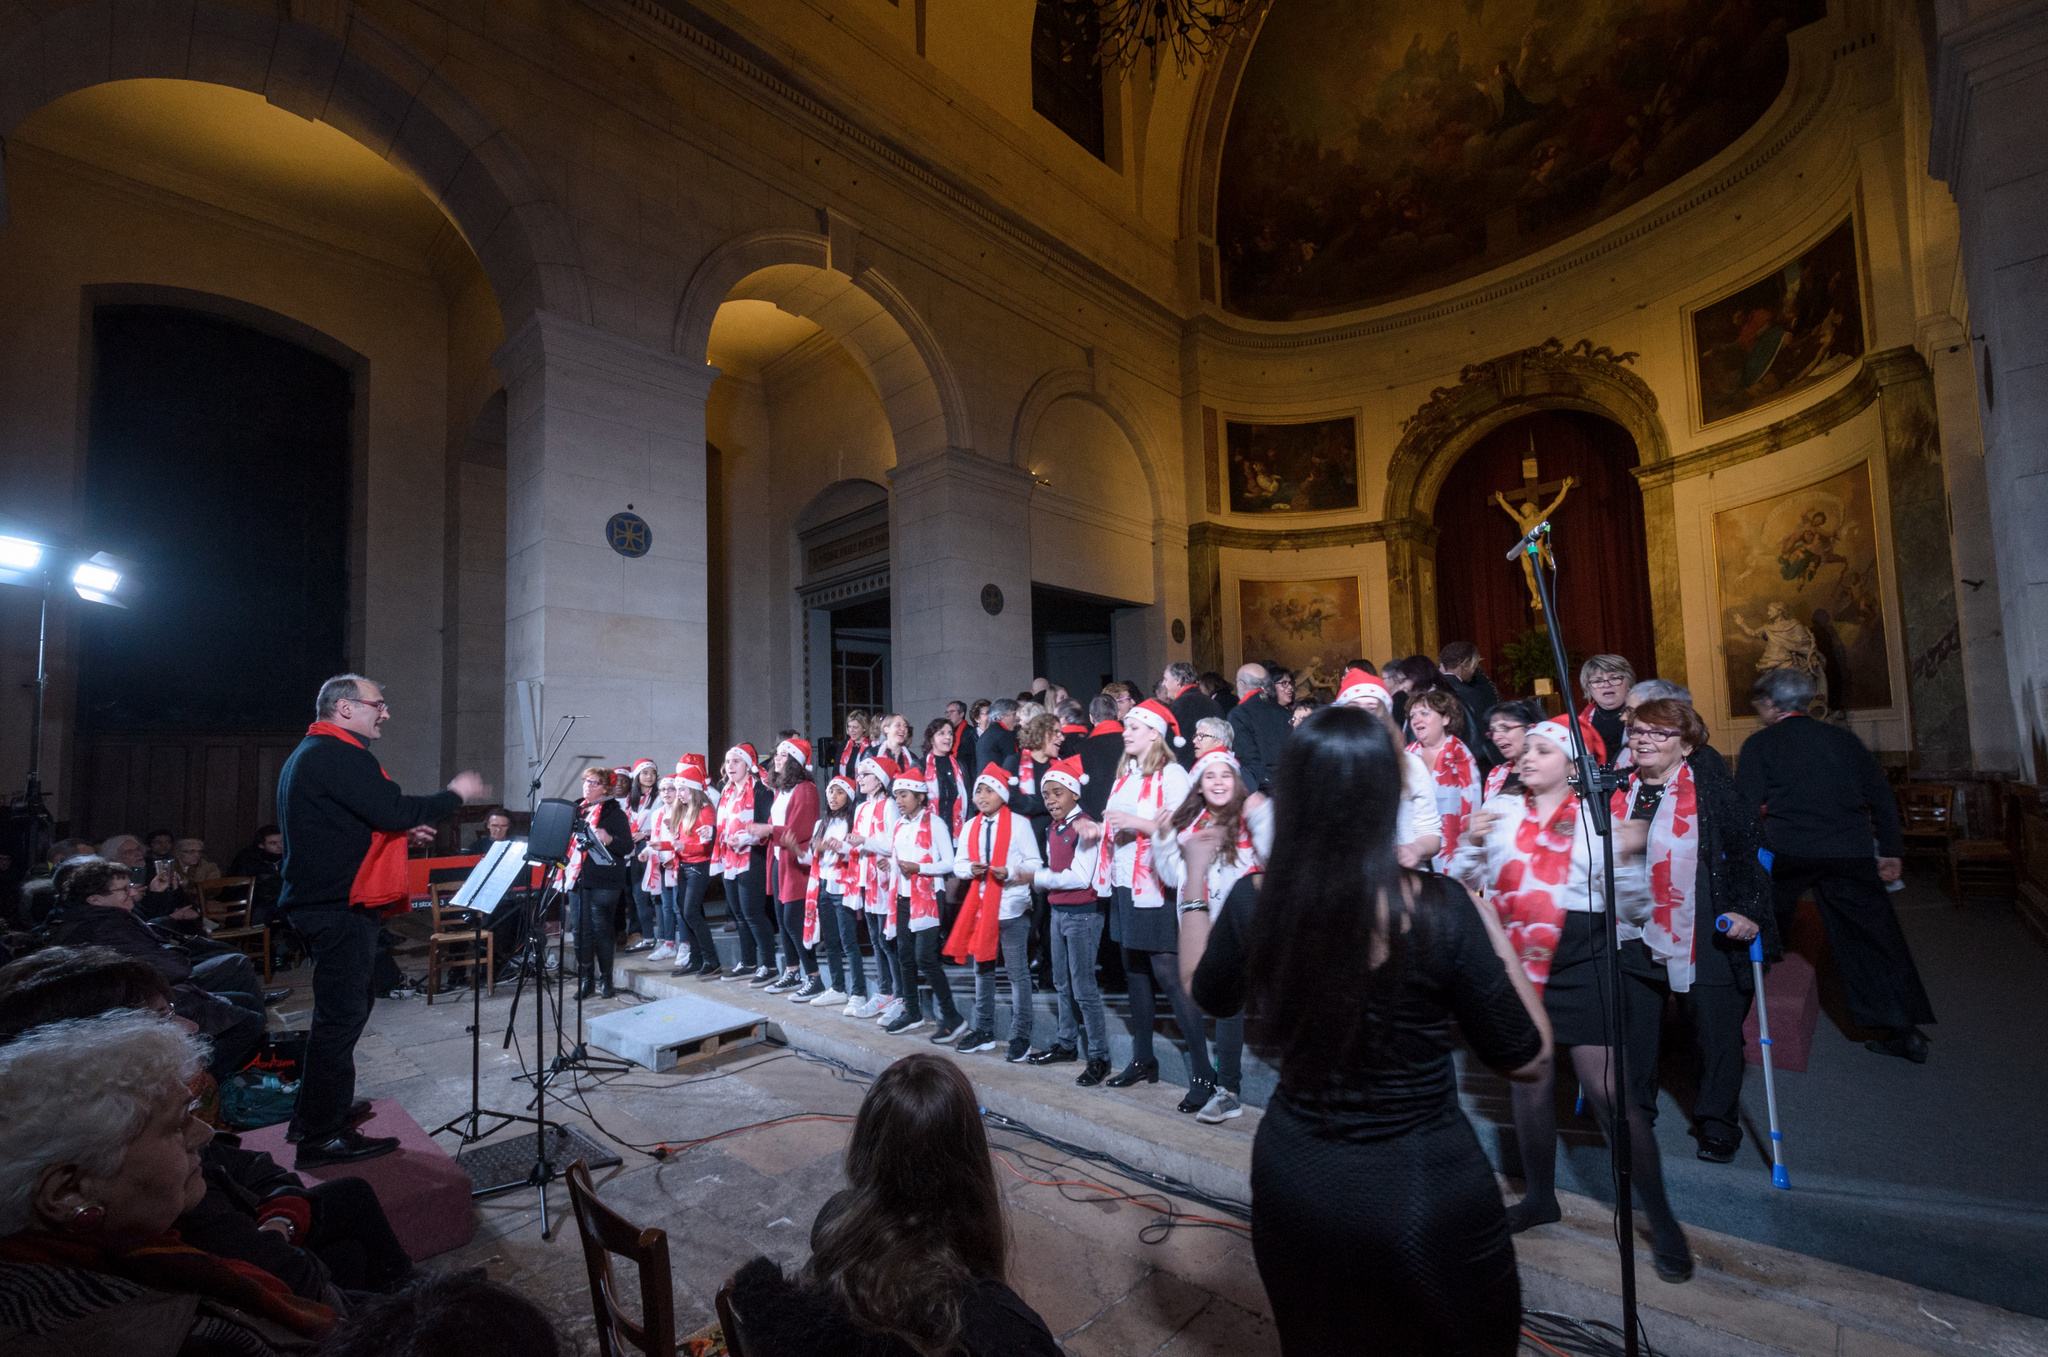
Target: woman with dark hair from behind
pixel 911 1257
pixel 1352 971
pixel 453 1314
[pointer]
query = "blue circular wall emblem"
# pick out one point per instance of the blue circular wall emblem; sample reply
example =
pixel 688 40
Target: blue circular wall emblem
pixel 629 534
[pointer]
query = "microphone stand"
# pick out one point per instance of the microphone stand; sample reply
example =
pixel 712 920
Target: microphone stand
pixel 534 948
pixel 1595 783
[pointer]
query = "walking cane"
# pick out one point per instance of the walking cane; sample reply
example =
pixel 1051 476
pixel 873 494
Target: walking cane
pixel 1779 1178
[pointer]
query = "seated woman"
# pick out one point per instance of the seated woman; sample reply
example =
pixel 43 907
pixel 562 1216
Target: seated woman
pixel 910 1258
pixel 99 1154
pixel 321 1241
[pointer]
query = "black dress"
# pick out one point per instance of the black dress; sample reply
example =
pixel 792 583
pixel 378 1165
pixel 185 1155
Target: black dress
pixel 1376 1221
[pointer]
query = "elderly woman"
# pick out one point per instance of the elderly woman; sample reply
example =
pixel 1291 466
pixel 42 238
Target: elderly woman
pixel 99 1155
pixel 1606 679
pixel 1506 725
pixel 1533 853
pixel 1692 898
pixel 1211 734
pixel 159 896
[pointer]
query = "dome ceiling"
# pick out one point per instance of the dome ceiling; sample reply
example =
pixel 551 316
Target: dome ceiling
pixel 1382 148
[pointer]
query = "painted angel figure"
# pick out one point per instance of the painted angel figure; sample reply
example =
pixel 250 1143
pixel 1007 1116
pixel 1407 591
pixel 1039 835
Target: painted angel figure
pixel 1788 643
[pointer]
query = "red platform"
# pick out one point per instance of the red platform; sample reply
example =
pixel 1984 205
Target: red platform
pixel 1794 997
pixel 422 1190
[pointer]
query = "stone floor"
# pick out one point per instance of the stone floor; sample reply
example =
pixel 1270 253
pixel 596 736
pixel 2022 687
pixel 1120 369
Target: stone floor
pixel 1080 1258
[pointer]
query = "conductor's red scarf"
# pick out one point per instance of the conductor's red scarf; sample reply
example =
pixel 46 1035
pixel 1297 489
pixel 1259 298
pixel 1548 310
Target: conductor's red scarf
pixel 380 884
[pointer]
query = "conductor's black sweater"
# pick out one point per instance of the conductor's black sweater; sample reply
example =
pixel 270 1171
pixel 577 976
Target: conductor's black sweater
pixel 331 796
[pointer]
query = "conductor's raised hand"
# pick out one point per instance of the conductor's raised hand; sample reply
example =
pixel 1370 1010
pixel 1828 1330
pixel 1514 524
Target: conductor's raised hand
pixel 469 786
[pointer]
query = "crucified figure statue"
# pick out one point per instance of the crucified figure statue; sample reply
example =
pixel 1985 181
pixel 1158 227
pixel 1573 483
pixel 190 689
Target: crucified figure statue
pixel 1527 517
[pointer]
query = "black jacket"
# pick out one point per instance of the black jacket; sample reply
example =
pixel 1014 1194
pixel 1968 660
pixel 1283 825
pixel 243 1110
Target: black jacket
pixel 1190 707
pixel 780 1317
pixel 1099 755
pixel 1475 696
pixel 1260 729
pixel 611 818
pixel 120 929
pixel 331 797
pixel 994 745
pixel 1820 790
pixel 238 1183
pixel 1730 880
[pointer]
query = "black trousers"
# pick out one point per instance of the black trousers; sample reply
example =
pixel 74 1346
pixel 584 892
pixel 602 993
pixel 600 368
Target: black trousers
pixel 343 942
pixel 353 1237
pixel 1879 978
pixel 1715 1012
pixel 795 956
pixel 596 926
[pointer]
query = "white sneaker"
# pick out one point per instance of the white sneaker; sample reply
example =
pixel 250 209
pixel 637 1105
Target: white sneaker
pixel 852 1009
pixel 663 951
pixel 829 998
pixel 868 1008
pixel 888 1012
pixel 1222 1105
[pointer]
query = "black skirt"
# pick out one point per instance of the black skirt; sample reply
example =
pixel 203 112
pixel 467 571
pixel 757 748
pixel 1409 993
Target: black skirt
pixel 1143 930
pixel 1579 996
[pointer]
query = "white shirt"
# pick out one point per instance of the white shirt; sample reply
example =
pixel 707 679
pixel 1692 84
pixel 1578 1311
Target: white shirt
pixel 1418 816
pixel 906 847
pixel 980 832
pixel 1172 867
pixel 1173 782
pixel 1480 867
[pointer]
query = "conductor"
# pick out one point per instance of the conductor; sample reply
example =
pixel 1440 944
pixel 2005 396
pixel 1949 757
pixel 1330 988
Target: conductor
pixel 346 828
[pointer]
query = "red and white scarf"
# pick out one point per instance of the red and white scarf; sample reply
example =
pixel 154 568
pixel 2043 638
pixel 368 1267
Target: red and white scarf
pixel 1673 859
pixel 1455 770
pixel 1224 875
pixel 661 856
pixel 1529 892
pixel 1495 780
pixel 735 809
pixel 960 787
pixel 1027 773
pixel 977 933
pixel 876 883
pixel 574 868
pixel 1146 892
pixel 924 895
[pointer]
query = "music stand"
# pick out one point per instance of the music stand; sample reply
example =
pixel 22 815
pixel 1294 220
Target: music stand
pixel 485 891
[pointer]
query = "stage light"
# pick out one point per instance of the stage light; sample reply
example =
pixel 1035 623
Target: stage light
pixel 97 579
pixel 18 553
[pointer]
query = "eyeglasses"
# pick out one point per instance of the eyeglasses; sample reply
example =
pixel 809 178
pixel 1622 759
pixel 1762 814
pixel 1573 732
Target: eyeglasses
pixel 1506 727
pixel 1653 734
pixel 1606 680
pixel 381 706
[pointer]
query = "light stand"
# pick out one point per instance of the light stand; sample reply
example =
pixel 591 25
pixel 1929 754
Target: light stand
pixel 1595 783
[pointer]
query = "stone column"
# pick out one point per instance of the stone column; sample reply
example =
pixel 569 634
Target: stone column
pixel 1990 101
pixel 596 424
pixel 959 523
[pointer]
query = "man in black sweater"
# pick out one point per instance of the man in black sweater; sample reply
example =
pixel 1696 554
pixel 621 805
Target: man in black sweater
pixel 333 799
pixel 1823 798
pixel 1261 725
pixel 1189 705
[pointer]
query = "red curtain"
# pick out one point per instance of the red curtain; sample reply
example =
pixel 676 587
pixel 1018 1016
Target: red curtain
pixel 1603 582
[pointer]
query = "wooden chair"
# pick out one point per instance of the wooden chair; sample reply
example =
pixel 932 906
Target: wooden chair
pixel 458 935
pixel 605 1232
pixel 1927 816
pixel 1988 866
pixel 225 903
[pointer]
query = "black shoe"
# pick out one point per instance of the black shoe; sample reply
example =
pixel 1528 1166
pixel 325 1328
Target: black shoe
pixel 1019 1048
pixel 358 1112
pixel 976 1040
pixel 1716 1150
pixel 1200 1091
pixel 587 988
pixel 1097 1071
pixel 1527 1213
pixel 1137 1072
pixel 606 991
pixel 1675 1268
pixel 349 1147
pixel 278 996
pixel 711 975
pixel 1907 1043
pixel 1055 1055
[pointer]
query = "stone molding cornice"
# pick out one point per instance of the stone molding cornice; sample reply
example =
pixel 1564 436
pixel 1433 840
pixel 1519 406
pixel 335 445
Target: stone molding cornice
pixel 1997 46
pixel 954 463
pixel 550 340
pixel 1226 536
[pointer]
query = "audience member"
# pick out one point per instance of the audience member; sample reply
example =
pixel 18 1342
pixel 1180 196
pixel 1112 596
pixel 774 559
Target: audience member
pixel 99 1156
pixel 1824 799
pixel 1218 689
pixel 459 1314
pixel 193 867
pixel 263 861
pixel 1262 724
pixel 497 829
pixel 1356 972
pixel 911 1257
pixel 162 843
pixel 159 897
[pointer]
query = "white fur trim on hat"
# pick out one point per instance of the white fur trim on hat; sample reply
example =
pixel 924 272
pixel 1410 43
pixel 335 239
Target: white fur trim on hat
pixel 1065 779
pixel 1555 731
pixel 1002 786
pixel 670 781
pixel 1223 756
pixel 1144 716
pixel 1364 688
pixel 743 752
pixel 910 783
pixel 795 751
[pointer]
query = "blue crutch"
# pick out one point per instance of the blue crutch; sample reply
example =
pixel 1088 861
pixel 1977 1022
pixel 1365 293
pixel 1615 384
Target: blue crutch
pixel 1779 1178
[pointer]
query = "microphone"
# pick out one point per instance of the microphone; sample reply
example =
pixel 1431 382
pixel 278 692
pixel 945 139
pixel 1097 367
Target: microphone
pixel 1540 530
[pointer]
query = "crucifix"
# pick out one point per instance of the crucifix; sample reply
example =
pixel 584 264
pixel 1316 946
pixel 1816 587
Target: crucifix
pixel 1521 504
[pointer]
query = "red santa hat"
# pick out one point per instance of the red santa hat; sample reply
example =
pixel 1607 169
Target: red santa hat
pixel 1358 687
pixel 670 781
pixel 845 785
pixel 747 751
pixel 638 764
pixel 622 772
pixel 909 779
pixel 997 777
pixel 882 766
pixel 797 748
pixel 1067 772
pixel 690 772
pixel 1152 713
pixel 1555 731
pixel 1211 759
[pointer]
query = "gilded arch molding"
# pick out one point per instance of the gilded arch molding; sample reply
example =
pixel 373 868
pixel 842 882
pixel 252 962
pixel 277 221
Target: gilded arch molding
pixel 1546 376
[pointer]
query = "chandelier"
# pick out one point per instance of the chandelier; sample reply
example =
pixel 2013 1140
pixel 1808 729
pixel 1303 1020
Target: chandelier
pixel 1119 32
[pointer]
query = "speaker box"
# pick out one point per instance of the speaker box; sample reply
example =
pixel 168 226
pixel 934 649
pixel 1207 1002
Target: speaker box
pixel 547 839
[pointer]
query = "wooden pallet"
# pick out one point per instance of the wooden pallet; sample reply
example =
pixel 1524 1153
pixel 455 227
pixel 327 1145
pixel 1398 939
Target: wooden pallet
pixel 703 1048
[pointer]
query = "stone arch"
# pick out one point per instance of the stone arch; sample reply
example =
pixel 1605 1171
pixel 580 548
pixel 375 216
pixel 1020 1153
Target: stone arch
pixel 805 274
pixel 368 83
pixel 1547 376
pixel 837 500
pixel 1063 383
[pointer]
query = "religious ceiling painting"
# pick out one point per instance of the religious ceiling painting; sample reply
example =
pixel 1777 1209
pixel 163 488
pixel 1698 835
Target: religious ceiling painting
pixel 1381 148
pixel 1796 326
pixel 1312 627
pixel 1292 468
pixel 1799 588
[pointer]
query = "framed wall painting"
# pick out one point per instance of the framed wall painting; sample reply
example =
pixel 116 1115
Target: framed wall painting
pixel 1309 626
pixel 1780 334
pixel 1301 468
